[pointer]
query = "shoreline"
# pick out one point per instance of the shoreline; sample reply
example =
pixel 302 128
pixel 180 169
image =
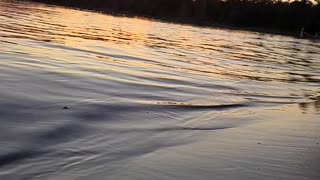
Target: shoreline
pixel 182 21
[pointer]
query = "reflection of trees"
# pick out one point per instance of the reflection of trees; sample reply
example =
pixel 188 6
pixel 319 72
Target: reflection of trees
pixel 305 107
pixel 246 13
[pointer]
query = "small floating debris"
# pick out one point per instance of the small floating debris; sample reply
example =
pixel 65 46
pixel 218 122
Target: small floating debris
pixel 66 107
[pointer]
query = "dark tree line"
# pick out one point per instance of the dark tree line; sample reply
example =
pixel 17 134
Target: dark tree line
pixel 265 15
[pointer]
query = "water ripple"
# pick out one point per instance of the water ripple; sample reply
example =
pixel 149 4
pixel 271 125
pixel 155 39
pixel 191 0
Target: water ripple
pixel 83 92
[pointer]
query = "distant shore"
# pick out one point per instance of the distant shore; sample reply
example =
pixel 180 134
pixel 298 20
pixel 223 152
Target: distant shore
pixel 260 16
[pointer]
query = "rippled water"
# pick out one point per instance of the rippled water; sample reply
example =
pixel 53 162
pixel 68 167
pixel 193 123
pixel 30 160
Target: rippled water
pixel 85 95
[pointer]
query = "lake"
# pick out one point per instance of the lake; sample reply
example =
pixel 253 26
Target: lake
pixel 88 95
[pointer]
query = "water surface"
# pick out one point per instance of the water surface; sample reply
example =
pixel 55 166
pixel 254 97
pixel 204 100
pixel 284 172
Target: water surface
pixel 87 95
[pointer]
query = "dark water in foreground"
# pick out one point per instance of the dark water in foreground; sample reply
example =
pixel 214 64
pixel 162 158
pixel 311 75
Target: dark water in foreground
pixel 151 100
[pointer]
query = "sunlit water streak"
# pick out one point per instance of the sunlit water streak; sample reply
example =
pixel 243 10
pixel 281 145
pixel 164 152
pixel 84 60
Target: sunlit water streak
pixel 133 87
